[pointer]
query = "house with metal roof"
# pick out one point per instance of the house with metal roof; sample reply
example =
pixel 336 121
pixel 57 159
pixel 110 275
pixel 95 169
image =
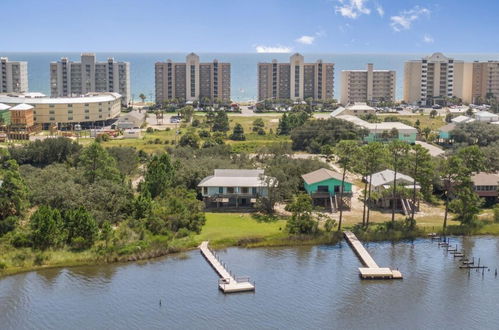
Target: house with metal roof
pixel 384 131
pixel 356 109
pixel 235 188
pixel 462 120
pixel 486 117
pixel 486 185
pixel 382 187
pixel 324 187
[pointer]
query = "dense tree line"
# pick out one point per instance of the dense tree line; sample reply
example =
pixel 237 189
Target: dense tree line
pixel 314 134
pixel 44 152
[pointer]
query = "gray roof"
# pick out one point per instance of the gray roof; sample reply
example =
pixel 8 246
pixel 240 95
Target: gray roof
pixel 486 114
pixel 320 175
pixel 447 128
pixel 235 178
pixel 135 116
pixel 386 177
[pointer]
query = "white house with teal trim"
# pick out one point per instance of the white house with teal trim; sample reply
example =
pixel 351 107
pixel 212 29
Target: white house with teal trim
pixel 382 132
pixel 235 188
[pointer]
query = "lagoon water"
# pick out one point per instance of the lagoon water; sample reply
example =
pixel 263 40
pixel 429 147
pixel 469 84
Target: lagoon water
pixel 296 288
pixel 243 67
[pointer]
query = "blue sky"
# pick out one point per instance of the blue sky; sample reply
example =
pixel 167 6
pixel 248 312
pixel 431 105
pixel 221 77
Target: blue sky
pixel 308 26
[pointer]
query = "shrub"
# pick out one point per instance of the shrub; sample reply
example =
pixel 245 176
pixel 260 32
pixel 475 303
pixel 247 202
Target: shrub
pixel 40 259
pixel 329 225
pixel 496 213
pixel 3 265
pixel 204 134
pixel 79 243
pixel 149 130
pixel 183 232
pixel 20 239
pixel 102 137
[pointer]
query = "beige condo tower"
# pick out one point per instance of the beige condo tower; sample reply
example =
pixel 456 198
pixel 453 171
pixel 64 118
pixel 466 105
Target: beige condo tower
pixel 370 86
pixel 435 78
pixel 295 80
pixel 192 80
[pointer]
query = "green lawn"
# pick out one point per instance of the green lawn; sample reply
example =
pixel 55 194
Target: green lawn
pixel 234 226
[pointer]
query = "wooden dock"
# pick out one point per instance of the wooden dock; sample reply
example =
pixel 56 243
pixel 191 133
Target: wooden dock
pixel 227 282
pixel 372 270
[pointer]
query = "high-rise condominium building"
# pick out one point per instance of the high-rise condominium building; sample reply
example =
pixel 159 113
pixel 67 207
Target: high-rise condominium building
pixel 295 80
pixel 13 76
pixel 192 80
pixel 485 81
pixel 434 78
pixel 69 78
pixel 371 86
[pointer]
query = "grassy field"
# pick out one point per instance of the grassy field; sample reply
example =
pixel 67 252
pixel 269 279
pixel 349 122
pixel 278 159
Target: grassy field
pixel 234 226
pixel 159 140
pixel 424 120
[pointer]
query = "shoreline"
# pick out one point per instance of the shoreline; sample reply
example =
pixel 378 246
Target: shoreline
pixel 248 242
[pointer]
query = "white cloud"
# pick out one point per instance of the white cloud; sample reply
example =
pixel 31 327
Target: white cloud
pixel 273 49
pixel 352 8
pixel 405 18
pixel 380 10
pixel 306 40
pixel 428 39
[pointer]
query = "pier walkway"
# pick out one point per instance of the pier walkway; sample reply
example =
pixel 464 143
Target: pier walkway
pixel 227 283
pixel 372 270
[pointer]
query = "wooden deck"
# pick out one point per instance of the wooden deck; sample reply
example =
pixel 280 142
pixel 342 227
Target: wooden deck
pixel 372 270
pixel 227 283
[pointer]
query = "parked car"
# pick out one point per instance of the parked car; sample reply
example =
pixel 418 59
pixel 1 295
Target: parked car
pixel 175 119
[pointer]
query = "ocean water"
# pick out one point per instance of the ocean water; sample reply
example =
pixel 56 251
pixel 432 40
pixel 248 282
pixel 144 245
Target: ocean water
pixel 243 67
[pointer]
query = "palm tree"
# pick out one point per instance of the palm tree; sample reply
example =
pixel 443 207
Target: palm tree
pixel 142 97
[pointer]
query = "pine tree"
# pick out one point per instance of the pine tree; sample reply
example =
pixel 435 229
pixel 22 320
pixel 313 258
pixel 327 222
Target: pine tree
pixel 13 192
pixel 238 133
pixel 97 164
pixel 159 175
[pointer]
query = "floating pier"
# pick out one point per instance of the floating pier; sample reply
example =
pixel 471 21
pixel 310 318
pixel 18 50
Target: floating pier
pixel 372 270
pixel 227 282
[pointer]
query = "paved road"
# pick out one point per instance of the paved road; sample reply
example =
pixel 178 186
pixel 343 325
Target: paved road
pixel 434 150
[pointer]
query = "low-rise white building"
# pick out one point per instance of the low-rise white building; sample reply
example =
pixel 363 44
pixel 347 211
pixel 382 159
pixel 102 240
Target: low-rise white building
pixel 462 120
pixel 382 131
pixel 356 109
pixel 486 117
